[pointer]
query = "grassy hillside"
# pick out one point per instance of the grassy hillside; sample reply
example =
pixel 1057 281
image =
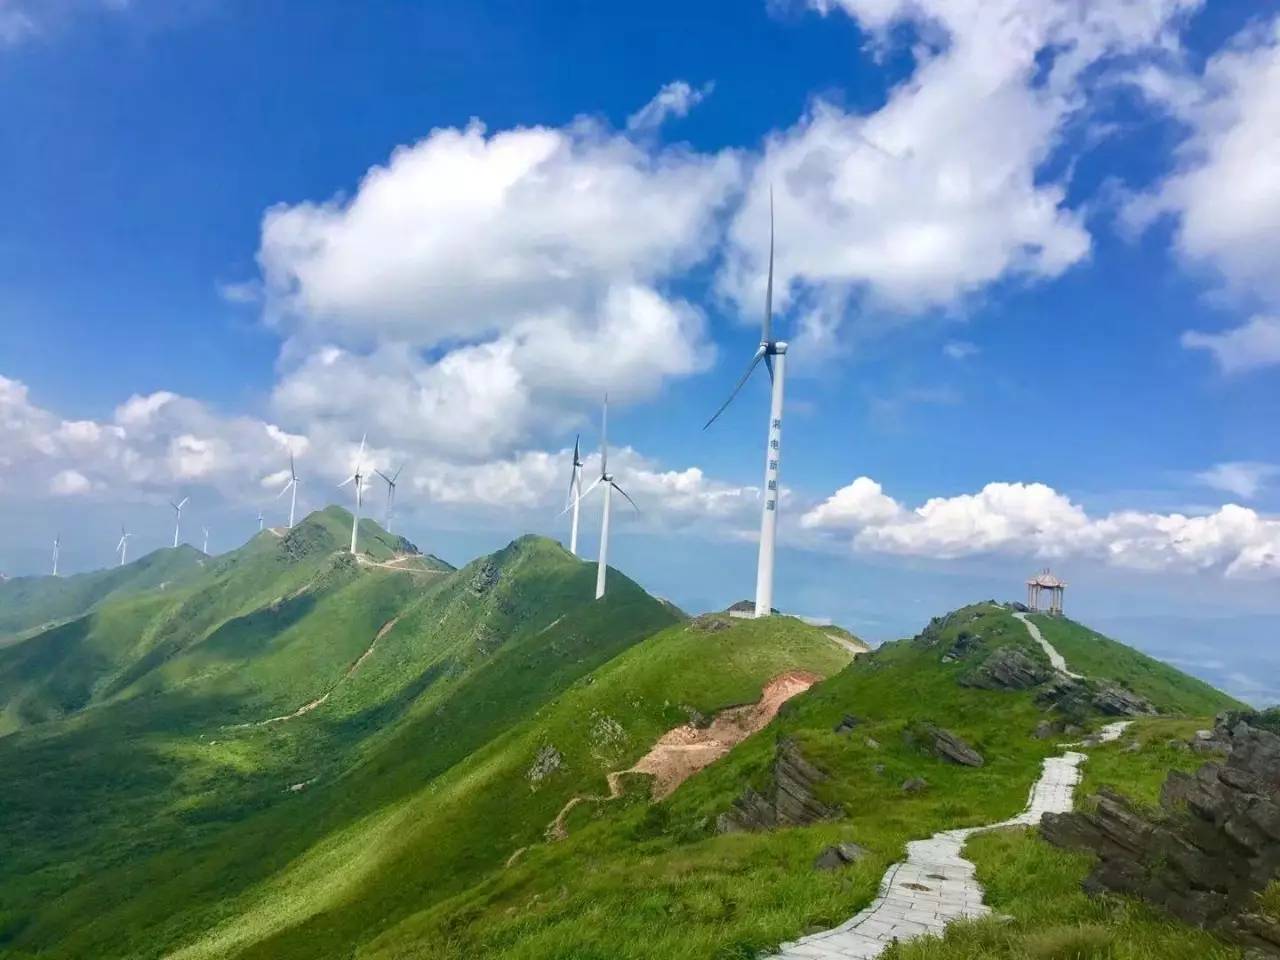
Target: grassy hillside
pixel 1093 654
pixel 29 603
pixel 146 814
pixel 308 755
pixel 658 881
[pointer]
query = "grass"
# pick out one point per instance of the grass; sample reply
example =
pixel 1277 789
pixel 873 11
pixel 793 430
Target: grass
pixel 1094 655
pixel 1037 887
pixel 1139 774
pixel 153 825
pixel 31 604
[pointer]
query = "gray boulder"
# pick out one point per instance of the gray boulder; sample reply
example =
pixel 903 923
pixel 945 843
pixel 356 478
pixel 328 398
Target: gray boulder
pixel 945 745
pixel 790 801
pixel 838 856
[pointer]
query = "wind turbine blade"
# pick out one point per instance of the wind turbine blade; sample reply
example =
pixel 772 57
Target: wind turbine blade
pixel 582 496
pixel 349 479
pixel 604 438
pixel 396 476
pixel 624 493
pixel 768 364
pixel 285 490
pixel 390 482
pixel 766 333
pixel 293 474
pixel 577 455
pixel 761 351
pixel 183 502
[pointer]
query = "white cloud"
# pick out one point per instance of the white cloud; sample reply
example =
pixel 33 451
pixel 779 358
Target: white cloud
pixel 1250 346
pixel 1033 519
pixel 1225 189
pixel 1244 479
pixel 960 349
pixel 69 483
pixel 478 287
pixel 940 192
pixel 675 99
pixel 466 234
pixel 16 25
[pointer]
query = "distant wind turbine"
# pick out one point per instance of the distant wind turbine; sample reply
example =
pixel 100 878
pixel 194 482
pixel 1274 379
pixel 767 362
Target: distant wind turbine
pixel 774 354
pixel 259 521
pixel 391 493
pixel 605 478
pixel 575 495
pixel 177 517
pixel 358 480
pixel 205 548
pixel 57 543
pixel 292 484
pixel 122 547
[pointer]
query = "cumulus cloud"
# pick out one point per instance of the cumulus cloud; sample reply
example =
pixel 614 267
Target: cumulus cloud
pixel 675 99
pixel 1250 346
pixel 1224 191
pixel 960 349
pixel 940 192
pixel 69 483
pixel 477 287
pixel 1035 520
pixel 150 445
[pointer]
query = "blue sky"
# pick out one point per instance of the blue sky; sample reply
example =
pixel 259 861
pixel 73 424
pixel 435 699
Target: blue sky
pixel 1026 263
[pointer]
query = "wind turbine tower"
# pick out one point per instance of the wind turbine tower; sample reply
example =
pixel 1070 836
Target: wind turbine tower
pixel 358 480
pixel 606 480
pixel 259 521
pixel 774 354
pixel 177 517
pixel 292 484
pixel 57 543
pixel 122 547
pixel 205 548
pixel 575 495
pixel 391 494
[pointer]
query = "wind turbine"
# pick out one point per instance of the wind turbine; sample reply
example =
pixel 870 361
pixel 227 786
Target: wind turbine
pixel 575 495
pixel 292 484
pixel 605 478
pixel 122 547
pixel 259 521
pixel 205 548
pixel 359 490
pixel 177 519
pixel 57 543
pixel 391 493
pixel 774 354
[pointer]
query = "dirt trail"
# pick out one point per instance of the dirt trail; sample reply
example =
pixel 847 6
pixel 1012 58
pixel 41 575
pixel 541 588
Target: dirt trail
pixel 395 563
pixel 319 701
pixel 682 752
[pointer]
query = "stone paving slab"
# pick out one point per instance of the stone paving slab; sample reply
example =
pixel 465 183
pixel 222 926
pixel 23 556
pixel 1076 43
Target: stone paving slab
pixel 935 885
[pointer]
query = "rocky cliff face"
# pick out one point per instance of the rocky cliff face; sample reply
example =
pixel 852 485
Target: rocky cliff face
pixel 1210 852
pixel 789 802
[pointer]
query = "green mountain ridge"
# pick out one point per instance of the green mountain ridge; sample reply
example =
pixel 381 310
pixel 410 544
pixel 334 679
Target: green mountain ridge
pixel 31 603
pixel 303 754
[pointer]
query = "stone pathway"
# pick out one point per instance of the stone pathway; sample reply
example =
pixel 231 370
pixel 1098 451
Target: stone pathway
pixel 936 885
pixel 1055 658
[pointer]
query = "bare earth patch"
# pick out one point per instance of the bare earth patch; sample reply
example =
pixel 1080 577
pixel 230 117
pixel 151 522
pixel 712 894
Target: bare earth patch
pixel 682 752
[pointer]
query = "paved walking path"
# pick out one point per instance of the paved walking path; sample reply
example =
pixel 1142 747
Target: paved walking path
pixel 936 885
pixel 1055 657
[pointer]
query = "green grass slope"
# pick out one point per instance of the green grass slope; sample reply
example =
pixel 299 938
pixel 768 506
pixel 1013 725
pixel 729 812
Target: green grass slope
pixel 1094 655
pixel 658 881
pixel 30 603
pixel 148 816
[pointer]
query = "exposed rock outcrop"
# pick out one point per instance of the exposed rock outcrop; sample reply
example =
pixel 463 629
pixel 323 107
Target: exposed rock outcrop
pixel 790 800
pixel 547 762
pixel 944 744
pixel 1007 669
pixel 1209 852
pixel 839 855
pixel 1078 697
